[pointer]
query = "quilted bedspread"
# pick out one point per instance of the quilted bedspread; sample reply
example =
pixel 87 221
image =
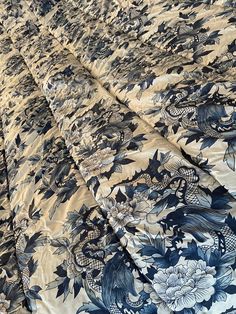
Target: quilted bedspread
pixel 117 156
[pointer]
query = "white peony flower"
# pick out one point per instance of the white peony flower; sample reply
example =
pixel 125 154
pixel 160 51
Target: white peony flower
pixel 128 213
pixel 100 161
pixel 182 286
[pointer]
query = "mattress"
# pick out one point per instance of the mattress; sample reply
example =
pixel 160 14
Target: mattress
pixel 117 156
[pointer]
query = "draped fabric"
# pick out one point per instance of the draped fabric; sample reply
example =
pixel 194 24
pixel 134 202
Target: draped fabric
pixel 117 156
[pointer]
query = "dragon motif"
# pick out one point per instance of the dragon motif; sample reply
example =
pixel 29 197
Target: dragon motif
pixel 88 255
pixel 175 176
pixel 86 259
pixel 213 115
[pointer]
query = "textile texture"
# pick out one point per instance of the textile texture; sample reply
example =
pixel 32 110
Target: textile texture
pixel 117 156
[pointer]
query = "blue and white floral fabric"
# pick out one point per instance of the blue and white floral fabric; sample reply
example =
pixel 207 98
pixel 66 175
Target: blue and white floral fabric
pixel 117 157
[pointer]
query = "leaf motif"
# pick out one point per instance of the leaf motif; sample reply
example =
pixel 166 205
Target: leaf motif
pixel 77 286
pixel 31 294
pixel 225 278
pixel 149 251
pixel 61 270
pixel 48 194
pixel 64 242
pixel 208 142
pixel 31 208
pixel 191 136
pixel 228 259
pixel 63 288
pixel 120 197
pixel 60 251
pixel 230 156
pixel 231 222
pixel 192 251
pixel 159 243
pixel 126 161
pixel 36 288
pixel 230 289
pixel 175 128
pixel 165 157
pixel 96 301
pixel 18 140
pixel 32 242
pixel 34 159
pixel 61 170
pixel 32 266
pixel 232 310
pixel 204 199
pixel 88 308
